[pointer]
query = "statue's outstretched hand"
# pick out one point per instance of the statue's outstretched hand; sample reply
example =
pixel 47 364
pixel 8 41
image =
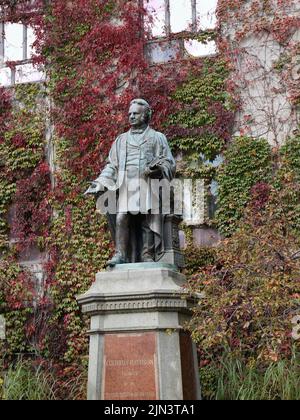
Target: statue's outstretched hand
pixel 95 188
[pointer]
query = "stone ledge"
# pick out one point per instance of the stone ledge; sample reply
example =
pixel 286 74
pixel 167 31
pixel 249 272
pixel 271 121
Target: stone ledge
pixel 138 330
pixel 138 278
pixel 118 306
pixel 137 288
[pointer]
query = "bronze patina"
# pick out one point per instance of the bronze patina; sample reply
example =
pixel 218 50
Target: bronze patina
pixel 136 158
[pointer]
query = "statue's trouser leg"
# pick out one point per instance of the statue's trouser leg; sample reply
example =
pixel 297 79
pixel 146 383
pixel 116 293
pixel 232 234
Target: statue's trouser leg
pixel 122 234
pixel 148 251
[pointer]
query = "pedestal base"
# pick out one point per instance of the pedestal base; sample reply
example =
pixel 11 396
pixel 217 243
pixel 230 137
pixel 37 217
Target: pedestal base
pixel 138 348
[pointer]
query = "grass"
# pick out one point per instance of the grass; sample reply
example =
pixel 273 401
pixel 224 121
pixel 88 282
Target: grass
pixel 233 380
pixel 22 382
pixel 26 381
pixel 230 379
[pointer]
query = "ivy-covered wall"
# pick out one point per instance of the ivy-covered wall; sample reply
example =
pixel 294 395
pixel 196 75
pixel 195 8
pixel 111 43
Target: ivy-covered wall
pixel 25 207
pixel 93 53
pixel 202 128
pixel 89 50
pixel 248 162
pixel 261 41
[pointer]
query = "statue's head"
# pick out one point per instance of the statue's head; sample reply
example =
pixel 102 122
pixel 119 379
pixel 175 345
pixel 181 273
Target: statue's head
pixel 139 113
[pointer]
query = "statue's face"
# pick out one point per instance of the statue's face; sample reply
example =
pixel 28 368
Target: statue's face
pixel 136 116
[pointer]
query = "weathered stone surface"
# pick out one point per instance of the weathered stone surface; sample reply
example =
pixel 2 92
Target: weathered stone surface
pixel 136 349
pixel 2 328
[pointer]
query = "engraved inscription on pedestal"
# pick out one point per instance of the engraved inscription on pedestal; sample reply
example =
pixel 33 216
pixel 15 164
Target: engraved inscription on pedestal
pixel 130 367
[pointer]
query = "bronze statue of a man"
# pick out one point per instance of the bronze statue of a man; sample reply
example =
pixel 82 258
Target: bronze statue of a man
pixel 136 158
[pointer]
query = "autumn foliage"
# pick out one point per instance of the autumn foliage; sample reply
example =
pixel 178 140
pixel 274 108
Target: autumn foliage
pixel 94 57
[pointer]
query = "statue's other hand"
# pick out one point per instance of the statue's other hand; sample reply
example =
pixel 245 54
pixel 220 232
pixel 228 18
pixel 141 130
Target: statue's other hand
pixel 94 188
pixel 154 172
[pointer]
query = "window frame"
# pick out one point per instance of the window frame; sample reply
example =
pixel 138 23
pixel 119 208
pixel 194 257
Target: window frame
pixel 26 58
pixel 6 18
pixel 180 37
pixel 168 27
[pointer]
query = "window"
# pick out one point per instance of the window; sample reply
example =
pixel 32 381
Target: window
pixel 16 42
pixel 199 49
pixel 168 17
pixel 206 14
pixel 174 16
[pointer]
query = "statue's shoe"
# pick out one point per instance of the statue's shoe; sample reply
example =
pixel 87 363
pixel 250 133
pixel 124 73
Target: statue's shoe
pixel 116 259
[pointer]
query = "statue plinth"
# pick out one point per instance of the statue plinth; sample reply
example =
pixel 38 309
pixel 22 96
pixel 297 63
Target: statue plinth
pixel 138 347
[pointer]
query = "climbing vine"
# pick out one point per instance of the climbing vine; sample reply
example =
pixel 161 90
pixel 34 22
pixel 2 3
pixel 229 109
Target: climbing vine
pixel 93 53
pixel 247 162
pixel 23 161
pixel 203 127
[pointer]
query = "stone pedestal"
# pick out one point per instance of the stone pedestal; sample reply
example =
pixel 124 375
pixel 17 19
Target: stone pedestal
pixel 172 252
pixel 138 348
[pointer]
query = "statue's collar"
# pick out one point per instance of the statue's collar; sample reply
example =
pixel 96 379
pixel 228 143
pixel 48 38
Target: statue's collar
pixel 138 130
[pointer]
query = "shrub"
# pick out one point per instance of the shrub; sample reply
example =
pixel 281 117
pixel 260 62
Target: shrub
pixel 252 290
